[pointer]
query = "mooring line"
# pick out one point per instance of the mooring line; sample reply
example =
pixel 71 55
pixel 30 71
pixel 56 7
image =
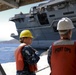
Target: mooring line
pixel 42 69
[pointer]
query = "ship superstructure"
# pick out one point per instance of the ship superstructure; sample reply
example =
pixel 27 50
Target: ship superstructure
pixel 42 21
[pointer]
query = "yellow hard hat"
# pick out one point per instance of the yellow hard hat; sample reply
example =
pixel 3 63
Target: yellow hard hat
pixel 26 33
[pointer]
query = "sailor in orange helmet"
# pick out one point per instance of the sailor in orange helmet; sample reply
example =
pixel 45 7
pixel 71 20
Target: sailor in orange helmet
pixel 25 56
pixel 62 53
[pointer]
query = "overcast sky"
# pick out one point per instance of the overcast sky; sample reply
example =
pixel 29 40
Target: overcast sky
pixel 7 27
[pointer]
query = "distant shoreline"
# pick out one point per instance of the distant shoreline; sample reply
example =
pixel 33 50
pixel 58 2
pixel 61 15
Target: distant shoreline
pixel 10 41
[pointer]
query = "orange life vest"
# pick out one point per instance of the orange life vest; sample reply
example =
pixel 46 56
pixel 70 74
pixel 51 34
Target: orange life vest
pixel 33 68
pixel 63 60
pixel 19 58
pixel 20 61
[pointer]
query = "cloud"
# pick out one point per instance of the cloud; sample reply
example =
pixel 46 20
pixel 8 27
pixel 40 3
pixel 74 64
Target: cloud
pixel 6 29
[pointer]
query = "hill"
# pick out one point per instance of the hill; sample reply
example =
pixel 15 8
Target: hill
pixel 11 41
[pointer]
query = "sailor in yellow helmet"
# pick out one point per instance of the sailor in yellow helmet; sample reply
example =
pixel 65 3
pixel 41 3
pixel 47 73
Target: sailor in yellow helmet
pixel 25 56
pixel 26 34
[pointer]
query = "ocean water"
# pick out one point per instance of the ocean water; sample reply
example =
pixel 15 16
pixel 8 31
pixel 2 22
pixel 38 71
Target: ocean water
pixel 7 52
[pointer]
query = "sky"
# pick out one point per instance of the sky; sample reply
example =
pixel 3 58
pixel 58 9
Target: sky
pixel 7 27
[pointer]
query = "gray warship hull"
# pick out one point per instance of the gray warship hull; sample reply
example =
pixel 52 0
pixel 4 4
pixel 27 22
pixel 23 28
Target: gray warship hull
pixel 43 24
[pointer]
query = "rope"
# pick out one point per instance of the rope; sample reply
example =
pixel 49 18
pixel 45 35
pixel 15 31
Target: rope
pixel 42 69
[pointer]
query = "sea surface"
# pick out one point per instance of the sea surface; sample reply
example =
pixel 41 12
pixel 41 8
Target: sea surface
pixel 7 52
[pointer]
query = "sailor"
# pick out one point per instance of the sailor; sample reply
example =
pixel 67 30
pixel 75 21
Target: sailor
pixel 62 53
pixel 26 56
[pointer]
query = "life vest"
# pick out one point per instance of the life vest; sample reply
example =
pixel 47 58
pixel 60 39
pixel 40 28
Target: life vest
pixel 63 60
pixel 20 60
pixel 33 68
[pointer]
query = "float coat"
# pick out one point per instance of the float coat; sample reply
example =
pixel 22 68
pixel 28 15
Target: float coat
pixel 62 59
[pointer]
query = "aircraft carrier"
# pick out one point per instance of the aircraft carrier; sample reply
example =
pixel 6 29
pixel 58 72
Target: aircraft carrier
pixel 42 21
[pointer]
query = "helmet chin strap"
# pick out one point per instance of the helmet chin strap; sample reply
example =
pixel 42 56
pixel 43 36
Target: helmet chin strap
pixel 66 37
pixel 62 38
